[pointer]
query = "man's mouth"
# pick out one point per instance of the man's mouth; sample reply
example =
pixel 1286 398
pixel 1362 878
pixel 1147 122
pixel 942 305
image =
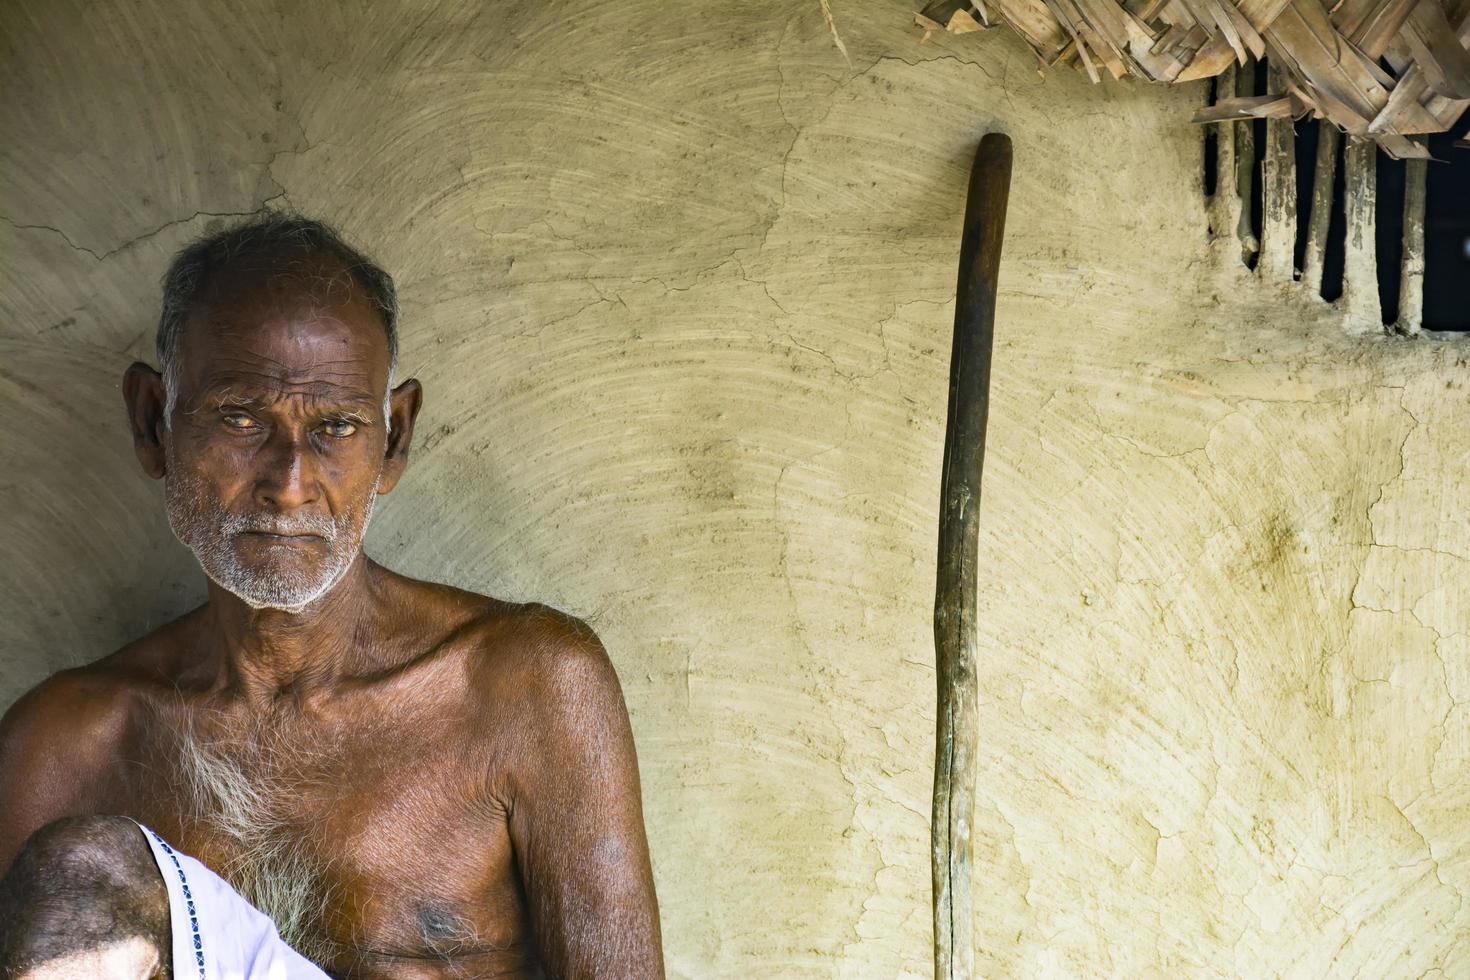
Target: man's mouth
pixel 271 537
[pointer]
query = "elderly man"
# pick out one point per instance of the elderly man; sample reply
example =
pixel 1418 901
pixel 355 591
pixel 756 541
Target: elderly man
pixel 407 779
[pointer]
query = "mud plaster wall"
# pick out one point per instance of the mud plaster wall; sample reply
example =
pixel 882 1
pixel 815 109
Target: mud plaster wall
pixel 679 286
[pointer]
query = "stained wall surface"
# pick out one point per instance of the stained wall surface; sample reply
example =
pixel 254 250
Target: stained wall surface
pixel 679 284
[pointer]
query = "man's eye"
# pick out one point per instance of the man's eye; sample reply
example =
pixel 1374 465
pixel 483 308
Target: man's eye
pixel 341 428
pixel 238 421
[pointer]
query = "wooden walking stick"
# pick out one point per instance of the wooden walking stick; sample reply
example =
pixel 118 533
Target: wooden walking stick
pixel 954 599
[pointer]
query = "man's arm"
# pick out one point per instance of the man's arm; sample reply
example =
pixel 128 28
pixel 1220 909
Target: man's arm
pixel 576 816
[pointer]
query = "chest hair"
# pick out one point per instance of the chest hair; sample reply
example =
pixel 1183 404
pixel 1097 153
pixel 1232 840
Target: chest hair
pixel 244 794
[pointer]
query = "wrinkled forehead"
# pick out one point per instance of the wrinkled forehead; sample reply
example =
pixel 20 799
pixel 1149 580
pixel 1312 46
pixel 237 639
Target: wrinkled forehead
pixel 294 325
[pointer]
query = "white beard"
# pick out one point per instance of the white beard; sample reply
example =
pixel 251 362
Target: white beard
pixel 210 532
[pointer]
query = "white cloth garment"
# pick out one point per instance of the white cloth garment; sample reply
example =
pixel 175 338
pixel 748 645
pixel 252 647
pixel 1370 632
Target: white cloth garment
pixel 217 934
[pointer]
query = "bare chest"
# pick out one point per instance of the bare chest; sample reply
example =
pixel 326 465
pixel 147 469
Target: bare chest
pixel 373 853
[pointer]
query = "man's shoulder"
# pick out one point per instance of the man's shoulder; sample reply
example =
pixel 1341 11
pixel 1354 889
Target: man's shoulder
pixel 536 648
pixel 543 683
pixel 59 746
pixel 498 634
pixel 80 709
pixel 532 655
pixel 80 706
pixel 516 660
pixel 61 743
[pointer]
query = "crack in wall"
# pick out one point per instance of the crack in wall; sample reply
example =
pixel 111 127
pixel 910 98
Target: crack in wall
pixel 145 236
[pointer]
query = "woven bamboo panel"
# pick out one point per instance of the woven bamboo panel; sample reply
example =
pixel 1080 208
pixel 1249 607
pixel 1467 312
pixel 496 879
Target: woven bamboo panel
pixel 1386 69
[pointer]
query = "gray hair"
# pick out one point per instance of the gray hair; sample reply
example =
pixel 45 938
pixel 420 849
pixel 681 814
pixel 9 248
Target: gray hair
pixel 271 235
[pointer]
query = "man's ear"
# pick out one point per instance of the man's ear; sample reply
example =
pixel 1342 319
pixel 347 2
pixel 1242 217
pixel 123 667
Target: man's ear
pixel 144 396
pixel 403 409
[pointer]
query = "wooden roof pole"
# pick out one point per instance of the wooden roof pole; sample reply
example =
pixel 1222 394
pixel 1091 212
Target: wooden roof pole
pixel 1245 164
pixel 1224 206
pixel 959 545
pixel 1411 272
pixel 1360 262
pixel 1278 193
pixel 1328 140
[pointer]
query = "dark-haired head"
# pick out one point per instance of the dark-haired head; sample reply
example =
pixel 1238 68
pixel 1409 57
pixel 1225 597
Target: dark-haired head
pixel 285 245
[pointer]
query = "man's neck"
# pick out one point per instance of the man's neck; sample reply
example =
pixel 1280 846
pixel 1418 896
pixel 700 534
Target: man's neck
pixel 269 654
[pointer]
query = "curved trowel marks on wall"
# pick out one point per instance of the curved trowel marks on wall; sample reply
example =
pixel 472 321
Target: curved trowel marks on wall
pixel 680 290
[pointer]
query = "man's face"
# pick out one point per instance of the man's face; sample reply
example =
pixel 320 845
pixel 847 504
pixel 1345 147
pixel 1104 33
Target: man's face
pixel 276 444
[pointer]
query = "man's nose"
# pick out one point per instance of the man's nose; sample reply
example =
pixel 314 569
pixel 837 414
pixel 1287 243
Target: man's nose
pixel 288 477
